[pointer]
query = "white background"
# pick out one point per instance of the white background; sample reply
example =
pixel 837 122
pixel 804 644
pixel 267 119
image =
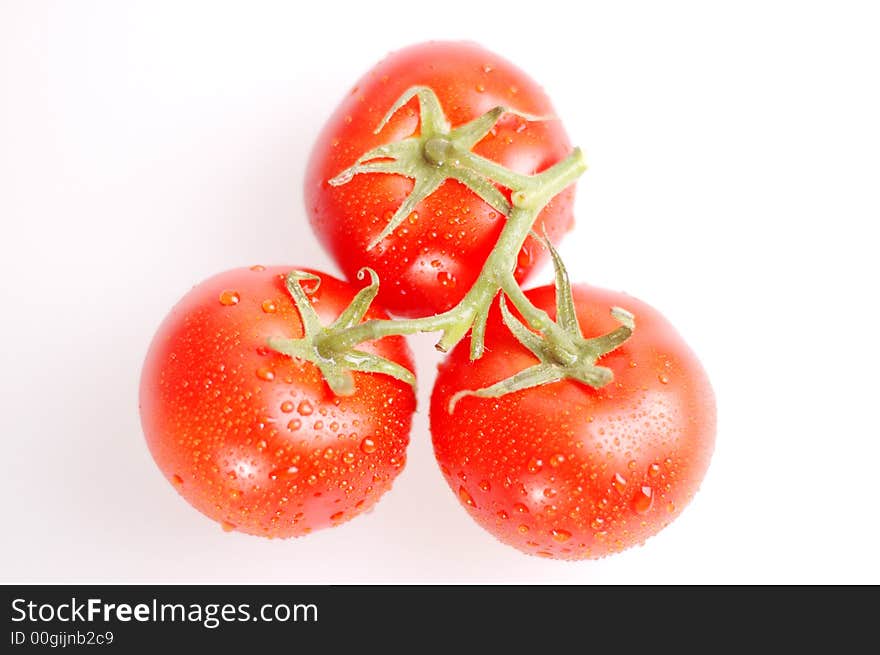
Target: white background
pixel 734 184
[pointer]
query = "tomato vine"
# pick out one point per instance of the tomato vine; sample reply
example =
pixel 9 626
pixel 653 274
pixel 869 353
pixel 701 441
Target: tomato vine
pixel 438 153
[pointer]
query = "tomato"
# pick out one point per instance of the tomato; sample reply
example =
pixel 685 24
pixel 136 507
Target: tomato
pixel 255 439
pixel 433 258
pixel 567 471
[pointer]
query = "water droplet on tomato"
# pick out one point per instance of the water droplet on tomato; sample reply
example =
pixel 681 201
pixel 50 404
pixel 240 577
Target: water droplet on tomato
pixel 436 263
pixel 670 507
pixel 176 480
pixel 535 464
pixel 560 535
pixel 664 379
pixel 549 492
pixel 269 306
pixel 294 424
pixel 305 408
pixel 619 483
pixel 654 470
pixel 466 497
pixel 484 485
pixel 368 445
pixel 503 515
pixel 329 453
pixel 292 470
pixel 597 523
pixel 348 458
pixel 258 267
pixel 643 500
pixel 557 459
pixel 519 507
pixel 227 526
pixel 287 407
pixel 337 516
pixel 446 279
pixel 265 373
pixel 229 298
pixel 480 88
pixel 523 528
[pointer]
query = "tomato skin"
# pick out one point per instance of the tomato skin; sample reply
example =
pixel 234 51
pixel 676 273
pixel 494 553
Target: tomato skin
pixel 435 256
pixel 253 438
pixel 567 471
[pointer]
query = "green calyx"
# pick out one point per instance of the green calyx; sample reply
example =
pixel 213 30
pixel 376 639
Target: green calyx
pixel 436 154
pixel 318 344
pixel 561 349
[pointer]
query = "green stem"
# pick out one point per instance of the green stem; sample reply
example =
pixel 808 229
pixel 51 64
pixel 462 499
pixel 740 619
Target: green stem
pixel 493 170
pixel 543 187
pixel 497 272
pixel 537 318
pixel 437 154
pixel 498 269
pixel 564 350
pixel 377 328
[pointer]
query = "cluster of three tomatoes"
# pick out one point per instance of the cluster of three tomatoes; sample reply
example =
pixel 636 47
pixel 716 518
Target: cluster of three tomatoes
pixel 257 441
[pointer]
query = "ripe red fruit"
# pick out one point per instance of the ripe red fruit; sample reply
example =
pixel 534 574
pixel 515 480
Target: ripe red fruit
pixel 435 256
pixel 565 470
pixel 255 439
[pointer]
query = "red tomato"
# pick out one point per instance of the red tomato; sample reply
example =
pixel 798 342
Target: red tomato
pixel 567 471
pixel 434 257
pixel 255 439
